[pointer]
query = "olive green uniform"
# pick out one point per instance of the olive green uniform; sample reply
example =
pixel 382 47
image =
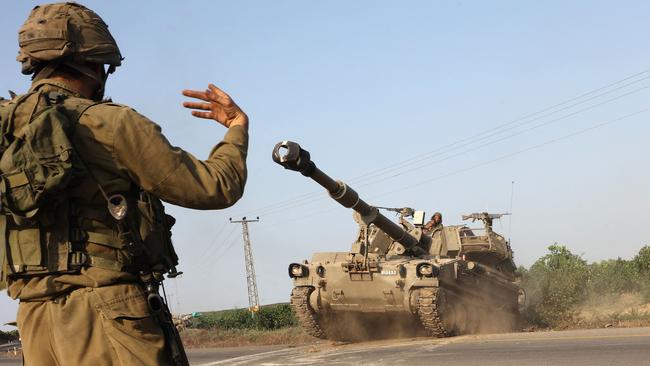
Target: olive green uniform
pixel 99 310
pixel 435 228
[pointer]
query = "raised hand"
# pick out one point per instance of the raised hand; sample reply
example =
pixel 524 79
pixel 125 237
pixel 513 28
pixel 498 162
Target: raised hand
pixel 216 105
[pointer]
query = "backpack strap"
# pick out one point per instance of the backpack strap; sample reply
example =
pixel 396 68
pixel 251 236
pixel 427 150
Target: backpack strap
pixel 7 115
pixel 3 252
pixel 76 116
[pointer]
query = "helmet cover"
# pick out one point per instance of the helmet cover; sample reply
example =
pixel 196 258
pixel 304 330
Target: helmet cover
pixel 68 33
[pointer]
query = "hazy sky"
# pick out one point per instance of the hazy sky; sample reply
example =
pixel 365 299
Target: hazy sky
pixel 454 100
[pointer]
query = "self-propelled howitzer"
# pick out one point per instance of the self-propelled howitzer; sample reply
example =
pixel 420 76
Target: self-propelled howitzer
pixel 398 278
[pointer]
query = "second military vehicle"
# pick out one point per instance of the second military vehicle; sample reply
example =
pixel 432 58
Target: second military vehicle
pixel 399 277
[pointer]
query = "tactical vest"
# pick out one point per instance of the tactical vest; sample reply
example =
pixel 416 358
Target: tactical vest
pixel 42 230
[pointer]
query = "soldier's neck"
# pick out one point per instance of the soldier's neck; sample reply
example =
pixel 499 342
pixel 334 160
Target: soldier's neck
pixel 86 87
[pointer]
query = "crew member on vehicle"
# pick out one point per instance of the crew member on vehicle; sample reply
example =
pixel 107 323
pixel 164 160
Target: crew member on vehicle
pixel 434 225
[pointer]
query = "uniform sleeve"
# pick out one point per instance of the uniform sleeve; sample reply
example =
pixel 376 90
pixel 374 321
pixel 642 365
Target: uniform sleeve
pixel 175 175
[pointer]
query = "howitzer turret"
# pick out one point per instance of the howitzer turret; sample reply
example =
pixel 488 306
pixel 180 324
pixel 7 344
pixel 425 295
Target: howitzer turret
pixel 291 156
pixel 398 278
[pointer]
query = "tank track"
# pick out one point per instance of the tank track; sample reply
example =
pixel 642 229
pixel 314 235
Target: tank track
pixel 304 312
pixel 428 312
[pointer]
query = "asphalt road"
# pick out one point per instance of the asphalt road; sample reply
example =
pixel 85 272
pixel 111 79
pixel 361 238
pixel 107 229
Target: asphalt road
pixel 9 346
pixel 595 347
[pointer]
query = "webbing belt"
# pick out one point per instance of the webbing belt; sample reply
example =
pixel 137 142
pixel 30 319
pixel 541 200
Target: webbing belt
pixel 79 235
pixel 81 259
pixel 77 257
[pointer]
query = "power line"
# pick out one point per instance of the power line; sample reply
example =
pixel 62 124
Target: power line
pixel 487 162
pixel 203 271
pixel 500 139
pixel 521 132
pixel 494 133
pixel 214 242
pixel 214 250
pixel 537 146
pixel 491 132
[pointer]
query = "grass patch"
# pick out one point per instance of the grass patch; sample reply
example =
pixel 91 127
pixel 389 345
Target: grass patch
pixel 625 310
pixel 215 337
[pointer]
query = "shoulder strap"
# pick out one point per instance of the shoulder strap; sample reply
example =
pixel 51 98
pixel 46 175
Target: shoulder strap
pixel 7 118
pixel 75 107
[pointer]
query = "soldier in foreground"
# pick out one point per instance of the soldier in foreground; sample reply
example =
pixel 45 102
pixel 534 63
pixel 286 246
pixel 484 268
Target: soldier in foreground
pixel 85 240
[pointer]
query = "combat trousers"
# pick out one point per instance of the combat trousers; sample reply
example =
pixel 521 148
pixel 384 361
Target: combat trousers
pixel 101 326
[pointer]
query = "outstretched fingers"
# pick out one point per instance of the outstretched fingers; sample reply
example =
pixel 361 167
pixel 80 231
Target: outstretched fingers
pixel 196 94
pixel 206 115
pixel 197 105
pixel 207 96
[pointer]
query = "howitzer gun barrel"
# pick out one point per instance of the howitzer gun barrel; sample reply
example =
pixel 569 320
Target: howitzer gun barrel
pixel 291 156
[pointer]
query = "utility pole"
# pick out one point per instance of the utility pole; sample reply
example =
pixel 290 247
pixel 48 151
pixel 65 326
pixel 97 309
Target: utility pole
pixel 251 281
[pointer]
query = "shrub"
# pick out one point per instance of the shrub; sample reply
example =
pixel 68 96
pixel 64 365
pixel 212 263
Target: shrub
pixel 276 317
pixel 555 285
pixel 267 318
pixel 613 277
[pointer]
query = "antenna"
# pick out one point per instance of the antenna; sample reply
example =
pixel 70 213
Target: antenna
pixel 251 281
pixel 178 296
pixel 512 195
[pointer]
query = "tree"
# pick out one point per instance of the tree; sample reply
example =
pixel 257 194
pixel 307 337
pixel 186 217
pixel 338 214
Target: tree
pixel 642 260
pixel 613 277
pixel 642 263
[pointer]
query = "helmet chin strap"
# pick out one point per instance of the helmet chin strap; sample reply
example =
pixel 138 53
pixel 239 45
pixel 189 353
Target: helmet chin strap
pixel 99 94
pixel 46 71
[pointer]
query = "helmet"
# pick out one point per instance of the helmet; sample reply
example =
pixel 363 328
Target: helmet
pixel 65 33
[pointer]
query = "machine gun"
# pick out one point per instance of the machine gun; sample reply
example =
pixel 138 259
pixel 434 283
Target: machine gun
pixel 402 211
pixel 291 156
pixel 485 217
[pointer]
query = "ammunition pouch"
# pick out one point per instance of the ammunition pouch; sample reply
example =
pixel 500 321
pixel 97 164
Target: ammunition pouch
pixel 155 231
pixel 92 239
